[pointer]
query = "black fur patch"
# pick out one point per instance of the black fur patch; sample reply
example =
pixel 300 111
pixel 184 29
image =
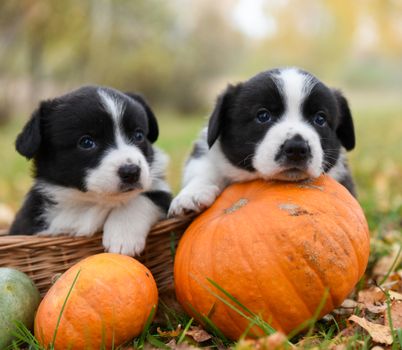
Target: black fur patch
pixel 199 149
pixel 28 220
pixel 322 98
pixel 161 198
pixel 239 131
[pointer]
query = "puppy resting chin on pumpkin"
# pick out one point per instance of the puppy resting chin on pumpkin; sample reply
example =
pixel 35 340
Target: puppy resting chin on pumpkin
pixel 281 124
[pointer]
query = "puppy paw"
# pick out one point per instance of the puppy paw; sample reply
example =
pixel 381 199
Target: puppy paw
pixel 193 199
pixel 126 228
pixel 127 242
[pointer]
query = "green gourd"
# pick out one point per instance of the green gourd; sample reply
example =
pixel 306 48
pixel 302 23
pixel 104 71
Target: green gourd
pixel 19 299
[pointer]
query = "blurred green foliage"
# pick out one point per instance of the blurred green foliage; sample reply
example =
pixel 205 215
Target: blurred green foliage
pixel 180 53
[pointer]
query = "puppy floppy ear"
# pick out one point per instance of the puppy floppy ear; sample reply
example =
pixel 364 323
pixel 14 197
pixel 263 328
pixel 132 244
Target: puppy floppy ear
pixel 29 140
pixel 153 131
pixel 221 107
pixel 345 130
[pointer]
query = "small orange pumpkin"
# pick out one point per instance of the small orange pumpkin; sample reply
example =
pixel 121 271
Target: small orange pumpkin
pixel 276 247
pixel 109 304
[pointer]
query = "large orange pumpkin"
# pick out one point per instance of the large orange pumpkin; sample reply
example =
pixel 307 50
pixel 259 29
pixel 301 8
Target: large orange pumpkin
pixel 276 247
pixel 109 304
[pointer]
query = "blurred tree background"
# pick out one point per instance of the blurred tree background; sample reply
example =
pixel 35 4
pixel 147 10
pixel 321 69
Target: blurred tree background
pixel 181 53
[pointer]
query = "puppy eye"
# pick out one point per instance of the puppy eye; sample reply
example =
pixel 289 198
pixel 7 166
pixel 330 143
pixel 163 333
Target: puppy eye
pixel 86 142
pixel 263 116
pixel 320 119
pixel 139 135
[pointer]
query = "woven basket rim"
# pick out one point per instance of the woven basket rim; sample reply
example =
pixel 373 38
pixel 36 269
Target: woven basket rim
pixel 42 257
pixel 159 228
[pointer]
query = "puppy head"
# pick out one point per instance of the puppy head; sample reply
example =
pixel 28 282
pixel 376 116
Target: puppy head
pixel 284 124
pixel 93 139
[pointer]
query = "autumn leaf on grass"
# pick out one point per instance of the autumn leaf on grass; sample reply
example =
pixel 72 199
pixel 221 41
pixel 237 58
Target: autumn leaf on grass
pixel 276 341
pixel 396 315
pixel 394 295
pixel 170 334
pixel 378 332
pixel 386 263
pixel 198 334
pixel 372 299
pixel 346 308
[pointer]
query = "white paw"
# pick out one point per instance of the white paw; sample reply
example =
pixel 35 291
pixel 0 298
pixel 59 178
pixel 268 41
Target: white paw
pixel 128 242
pixel 126 228
pixel 193 199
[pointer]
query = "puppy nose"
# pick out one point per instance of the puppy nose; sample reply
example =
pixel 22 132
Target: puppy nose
pixel 129 173
pixel 296 149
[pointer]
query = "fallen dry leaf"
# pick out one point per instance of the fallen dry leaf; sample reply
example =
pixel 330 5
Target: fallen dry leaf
pixel 378 332
pixel 396 315
pixel 357 344
pixel 383 265
pixel 275 341
pixel 167 334
pixel 198 334
pixel 394 295
pixel 372 299
pixel 347 307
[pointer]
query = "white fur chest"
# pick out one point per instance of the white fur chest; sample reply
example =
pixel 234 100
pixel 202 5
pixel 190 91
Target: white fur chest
pixel 73 212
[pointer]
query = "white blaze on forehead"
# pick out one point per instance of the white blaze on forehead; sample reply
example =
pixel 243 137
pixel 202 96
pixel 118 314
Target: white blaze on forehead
pixel 294 86
pixel 105 177
pixel 115 107
pixel 113 104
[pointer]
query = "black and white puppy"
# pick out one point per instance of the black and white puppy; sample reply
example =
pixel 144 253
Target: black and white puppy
pixel 281 124
pixel 94 168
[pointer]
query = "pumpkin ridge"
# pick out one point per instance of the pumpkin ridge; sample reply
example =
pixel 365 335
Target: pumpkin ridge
pixel 190 278
pixel 320 279
pixel 352 243
pixel 312 267
pixel 323 285
pixel 253 268
pixel 352 257
pixel 249 262
pixel 184 268
pixel 333 239
pixel 363 227
pixel 67 317
pixel 293 286
pixel 290 281
pixel 351 203
pixel 227 311
pixel 69 324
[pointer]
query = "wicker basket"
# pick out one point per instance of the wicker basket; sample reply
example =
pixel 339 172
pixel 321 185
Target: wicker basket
pixel 43 258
